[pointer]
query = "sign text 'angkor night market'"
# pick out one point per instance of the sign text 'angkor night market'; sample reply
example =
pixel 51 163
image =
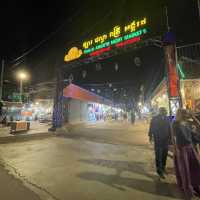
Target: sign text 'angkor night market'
pixel 117 37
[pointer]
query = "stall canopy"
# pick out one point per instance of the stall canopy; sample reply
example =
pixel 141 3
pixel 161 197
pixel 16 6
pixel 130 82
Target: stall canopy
pixel 76 92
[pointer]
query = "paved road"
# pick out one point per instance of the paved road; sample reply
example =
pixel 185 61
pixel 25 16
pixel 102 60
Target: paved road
pixel 13 189
pixel 97 161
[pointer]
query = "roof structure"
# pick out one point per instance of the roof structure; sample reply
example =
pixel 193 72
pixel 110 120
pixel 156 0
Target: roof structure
pixel 76 92
pixel 159 88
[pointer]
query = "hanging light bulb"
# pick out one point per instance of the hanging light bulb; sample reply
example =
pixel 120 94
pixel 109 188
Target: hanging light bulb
pixel 98 67
pixel 84 73
pixel 137 61
pixel 116 66
pixel 71 78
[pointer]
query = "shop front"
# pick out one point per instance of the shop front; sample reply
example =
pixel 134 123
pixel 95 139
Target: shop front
pixel 190 95
pixel 12 111
pixel 81 105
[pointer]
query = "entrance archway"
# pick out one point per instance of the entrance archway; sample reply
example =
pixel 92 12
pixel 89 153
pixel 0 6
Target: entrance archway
pixel 118 41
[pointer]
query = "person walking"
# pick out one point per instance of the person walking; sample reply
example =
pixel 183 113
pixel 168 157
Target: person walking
pixel 1 110
pixel 159 132
pixel 132 117
pixel 186 159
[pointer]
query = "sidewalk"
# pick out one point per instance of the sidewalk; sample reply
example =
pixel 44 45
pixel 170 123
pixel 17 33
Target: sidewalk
pixel 12 188
pixel 37 130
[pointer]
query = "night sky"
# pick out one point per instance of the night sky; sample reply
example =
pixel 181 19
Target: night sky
pixel 59 25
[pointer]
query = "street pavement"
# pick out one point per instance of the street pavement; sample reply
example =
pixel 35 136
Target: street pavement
pixel 102 161
pixel 35 127
pixel 37 131
pixel 12 188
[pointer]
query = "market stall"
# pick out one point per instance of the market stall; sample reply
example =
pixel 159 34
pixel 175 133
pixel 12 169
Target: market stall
pixel 190 95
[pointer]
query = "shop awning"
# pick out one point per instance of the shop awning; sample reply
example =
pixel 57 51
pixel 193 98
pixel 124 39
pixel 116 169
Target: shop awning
pixel 161 88
pixel 76 92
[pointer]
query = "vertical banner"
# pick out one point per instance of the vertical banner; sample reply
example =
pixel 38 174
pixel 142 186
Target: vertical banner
pixel 172 79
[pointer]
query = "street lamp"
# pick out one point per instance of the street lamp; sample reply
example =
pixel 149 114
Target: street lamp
pixel 22 76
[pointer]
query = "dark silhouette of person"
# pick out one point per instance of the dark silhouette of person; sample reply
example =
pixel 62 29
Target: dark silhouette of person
pixel 132 117
pixel 1 108
pixel 159 132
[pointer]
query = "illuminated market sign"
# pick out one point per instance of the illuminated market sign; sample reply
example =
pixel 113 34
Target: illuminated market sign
pixel 118 37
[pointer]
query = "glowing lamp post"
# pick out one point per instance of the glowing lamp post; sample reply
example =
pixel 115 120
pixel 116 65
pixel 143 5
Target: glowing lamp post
pixel 22 76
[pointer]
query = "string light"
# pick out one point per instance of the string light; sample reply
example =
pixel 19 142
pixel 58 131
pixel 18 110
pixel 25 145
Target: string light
pixel 181 71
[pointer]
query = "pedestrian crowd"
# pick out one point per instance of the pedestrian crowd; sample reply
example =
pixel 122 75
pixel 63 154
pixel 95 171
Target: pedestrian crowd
pixel 183 134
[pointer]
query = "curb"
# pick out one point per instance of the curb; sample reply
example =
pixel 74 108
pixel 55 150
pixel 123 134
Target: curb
pixel 68 128
pixel 26 137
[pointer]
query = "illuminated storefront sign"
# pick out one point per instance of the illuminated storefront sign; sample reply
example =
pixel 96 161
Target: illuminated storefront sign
pixel 119 36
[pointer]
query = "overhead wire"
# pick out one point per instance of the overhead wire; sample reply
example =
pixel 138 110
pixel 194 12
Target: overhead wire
pixel 86 33
pixel 56 31
pixel 47 38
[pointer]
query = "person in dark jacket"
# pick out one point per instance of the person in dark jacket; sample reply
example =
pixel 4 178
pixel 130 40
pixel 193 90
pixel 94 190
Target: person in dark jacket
pixel 186 159
pixel 195 137
pixel 159 132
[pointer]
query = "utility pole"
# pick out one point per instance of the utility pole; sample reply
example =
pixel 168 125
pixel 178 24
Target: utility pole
pixel 198 4
pixel 1 81
pixel 21 89
pixel 173 80
pixel 167 18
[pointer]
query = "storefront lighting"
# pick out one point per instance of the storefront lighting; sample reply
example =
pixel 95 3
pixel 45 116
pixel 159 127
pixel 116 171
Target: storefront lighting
pixel 183 92
pixel 145 109
pixel 159 99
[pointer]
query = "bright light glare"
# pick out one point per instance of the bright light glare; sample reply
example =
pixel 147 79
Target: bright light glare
pixel 159 99
pixel 22 75
pixel 145 109
pixel 164 96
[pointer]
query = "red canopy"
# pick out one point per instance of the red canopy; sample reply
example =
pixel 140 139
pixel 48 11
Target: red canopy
pixel 76 92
